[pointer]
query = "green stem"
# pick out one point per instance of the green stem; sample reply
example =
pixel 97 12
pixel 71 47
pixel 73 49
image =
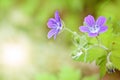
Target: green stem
pixel 98 40
pixel 106 49
pixel 108 57
pixel 69 30
pixel 102 46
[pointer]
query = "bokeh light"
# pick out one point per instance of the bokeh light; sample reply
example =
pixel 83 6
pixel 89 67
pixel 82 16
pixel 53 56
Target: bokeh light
pixel 14 54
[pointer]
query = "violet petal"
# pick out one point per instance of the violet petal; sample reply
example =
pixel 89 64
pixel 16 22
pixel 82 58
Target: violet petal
pixel 51 33
pixel 52 23
pixel 89 20
pixel 101 21
pixel 57 17
pixel 57 31
pixel 84 29
pixel 93 34
pixel 103 29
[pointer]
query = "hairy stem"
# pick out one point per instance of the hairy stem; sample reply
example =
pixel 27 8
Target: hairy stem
pixel 108 57
pixel 69 30
pixel 102 46
pixel 105 48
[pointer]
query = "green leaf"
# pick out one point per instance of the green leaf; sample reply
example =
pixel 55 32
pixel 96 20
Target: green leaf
pixel 106 38
pixel 115 43
pixel 94 53
pixel 115 59
pixel 101 61
pixel 91 55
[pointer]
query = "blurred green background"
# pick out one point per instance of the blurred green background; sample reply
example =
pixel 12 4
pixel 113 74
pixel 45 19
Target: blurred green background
pixel 25 51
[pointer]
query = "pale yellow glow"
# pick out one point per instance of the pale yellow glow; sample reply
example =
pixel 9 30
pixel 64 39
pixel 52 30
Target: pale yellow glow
pixel 14 54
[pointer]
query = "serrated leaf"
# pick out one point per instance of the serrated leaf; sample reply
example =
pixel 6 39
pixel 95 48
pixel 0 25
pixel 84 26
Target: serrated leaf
pixel 106 38
pixel 100 60
pixel 115 59
pixel 111 41
pixel 103 69
pixel 115 43
pixel 94 54
pixel 91 55
pixel 102 64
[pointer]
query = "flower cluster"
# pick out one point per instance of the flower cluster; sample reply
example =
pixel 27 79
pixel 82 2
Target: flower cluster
pixel 92 27
pixel 83 45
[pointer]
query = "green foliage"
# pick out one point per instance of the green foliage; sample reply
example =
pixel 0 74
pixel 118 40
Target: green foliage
pixel 115 59
pixel 101 61
pixel 80 57
pixel 106 38
pixel 111 40
pixel 87 52
pixel 91 55
pixel 115 43
pixel 6 4
pixel 108 43
pixel 94 55
pixel 81 43
pixel 68 73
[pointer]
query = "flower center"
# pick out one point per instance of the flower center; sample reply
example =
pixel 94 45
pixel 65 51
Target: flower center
pixel 59 27
pixel 94 29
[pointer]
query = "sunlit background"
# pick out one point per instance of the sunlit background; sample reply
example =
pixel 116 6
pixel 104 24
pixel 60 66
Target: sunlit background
pixel 25 51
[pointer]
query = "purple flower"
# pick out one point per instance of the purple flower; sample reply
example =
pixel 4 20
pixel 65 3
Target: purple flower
pixel 55 24
pixel 92 27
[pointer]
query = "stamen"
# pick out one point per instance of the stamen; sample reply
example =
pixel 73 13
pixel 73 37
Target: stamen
pixel 94 29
